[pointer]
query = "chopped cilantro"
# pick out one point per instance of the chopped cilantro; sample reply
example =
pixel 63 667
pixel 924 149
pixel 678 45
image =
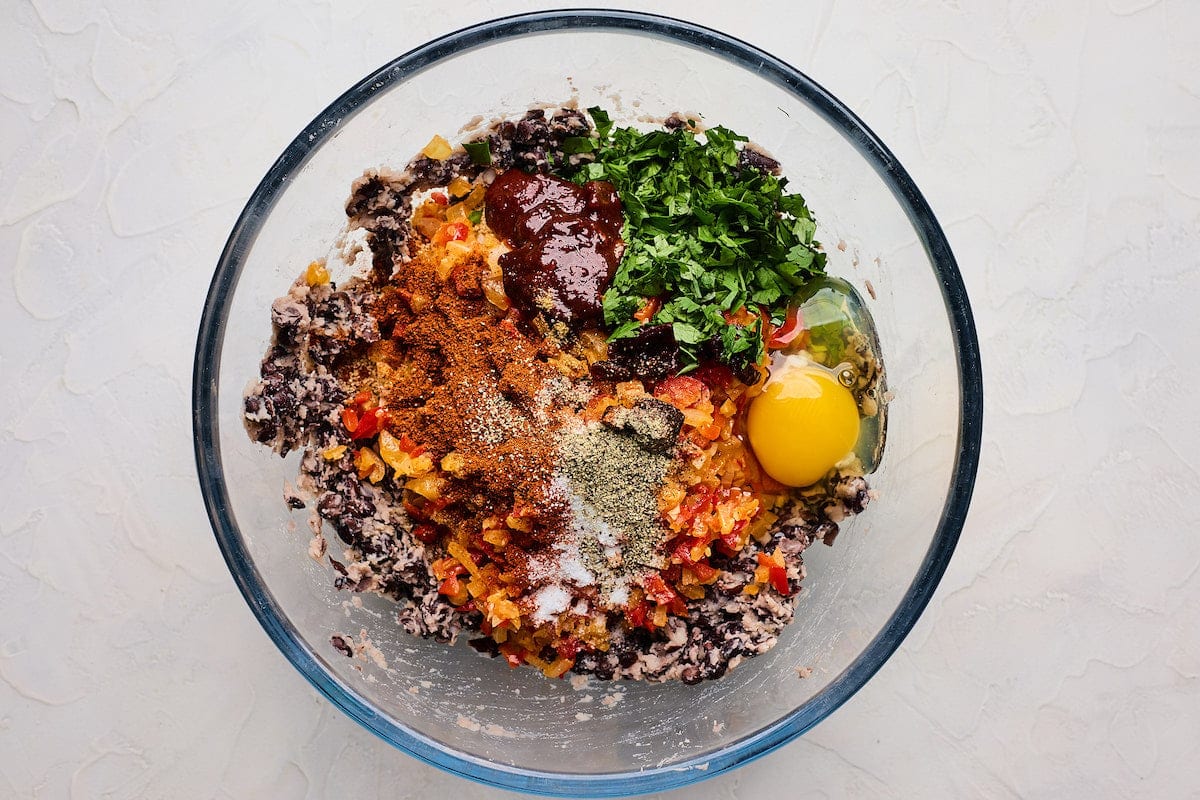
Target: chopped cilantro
pixel 704 235
pixel 578 144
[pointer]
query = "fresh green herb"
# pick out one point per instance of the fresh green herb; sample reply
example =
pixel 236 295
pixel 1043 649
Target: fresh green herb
pixel 480 152
pixel 475 216
pixel 602 122
pixel 578 144
pixel 711 240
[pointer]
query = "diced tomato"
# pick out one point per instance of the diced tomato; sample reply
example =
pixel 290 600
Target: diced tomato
pixel 779 581
pixel 792 327
pixel 647 311
pixel 362 399
pixel 450 586
pixel 440 198
pixel 350 419
pixel 680 391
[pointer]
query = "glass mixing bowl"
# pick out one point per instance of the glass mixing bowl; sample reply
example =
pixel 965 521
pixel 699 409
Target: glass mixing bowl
pixel 513 728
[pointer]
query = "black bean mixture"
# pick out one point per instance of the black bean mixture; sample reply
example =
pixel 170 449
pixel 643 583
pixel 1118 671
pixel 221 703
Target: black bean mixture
pixel 298 402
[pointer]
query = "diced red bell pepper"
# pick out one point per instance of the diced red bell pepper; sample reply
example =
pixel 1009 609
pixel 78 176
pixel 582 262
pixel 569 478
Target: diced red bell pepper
pixel 452 232
pixel 440 198
pixel 637 615
pixel 700 501
pixel 658 591
pixel 370 424
pixel 713 429
pixel 714 375
pixel 413 510
pixel 568 648
pixel 450 586
pixel 434 506
pixel 445 567
pixel 699 567
pixel 743 316
pixel 647 311
pixel 779 581
pixel 350 420
pixel 680 391
pixel 514 655
pixel 732 539
pixel 792 327
pixel 409 446
pixel 425 533
pixel 683 551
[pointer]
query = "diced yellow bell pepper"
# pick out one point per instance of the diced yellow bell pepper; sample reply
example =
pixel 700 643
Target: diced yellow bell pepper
pixel 438 149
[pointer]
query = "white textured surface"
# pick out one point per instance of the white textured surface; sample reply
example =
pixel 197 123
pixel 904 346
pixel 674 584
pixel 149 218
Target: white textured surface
pixel 1057 141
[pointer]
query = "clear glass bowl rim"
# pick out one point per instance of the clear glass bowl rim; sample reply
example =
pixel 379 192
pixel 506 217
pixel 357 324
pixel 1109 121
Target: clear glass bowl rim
pixel 733 754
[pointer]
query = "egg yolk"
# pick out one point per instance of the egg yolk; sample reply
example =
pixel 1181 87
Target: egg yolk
pixel 802 424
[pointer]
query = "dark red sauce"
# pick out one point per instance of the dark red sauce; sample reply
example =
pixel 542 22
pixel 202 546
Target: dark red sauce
pixel 566 242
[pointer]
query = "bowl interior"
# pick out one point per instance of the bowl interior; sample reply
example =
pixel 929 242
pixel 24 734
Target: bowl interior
pixel 430 698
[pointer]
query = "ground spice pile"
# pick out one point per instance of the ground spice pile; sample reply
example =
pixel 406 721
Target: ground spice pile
pixel 612 491
pixel 460 380
pixel 554 516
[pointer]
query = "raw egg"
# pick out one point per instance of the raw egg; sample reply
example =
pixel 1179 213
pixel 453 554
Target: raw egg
pixel 802 424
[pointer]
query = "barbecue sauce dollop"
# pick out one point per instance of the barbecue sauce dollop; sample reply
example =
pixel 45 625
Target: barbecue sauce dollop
pixel 566 242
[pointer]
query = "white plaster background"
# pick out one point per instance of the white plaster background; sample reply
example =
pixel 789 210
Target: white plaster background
pixel 1059 142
